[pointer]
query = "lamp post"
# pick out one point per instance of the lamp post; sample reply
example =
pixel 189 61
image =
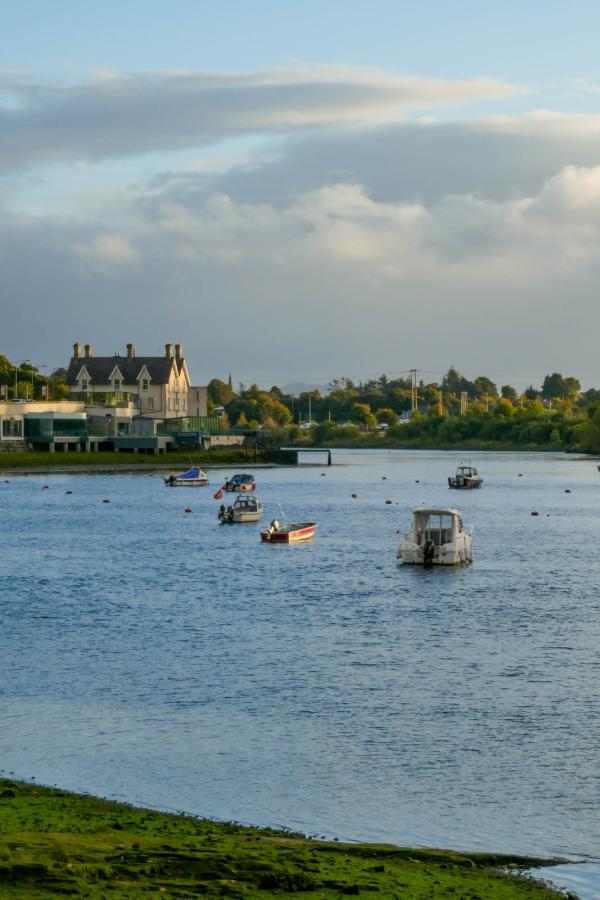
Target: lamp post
pixel 39 367
pixel 17 368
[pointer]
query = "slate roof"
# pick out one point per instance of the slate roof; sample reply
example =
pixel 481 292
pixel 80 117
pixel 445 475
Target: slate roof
pixel 101 367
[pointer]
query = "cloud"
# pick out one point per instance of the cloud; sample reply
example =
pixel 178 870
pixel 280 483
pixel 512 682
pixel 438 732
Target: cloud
pixel 353 238
pixel 107 250
pixel 117 115
pixel 333 280
pixel 494 157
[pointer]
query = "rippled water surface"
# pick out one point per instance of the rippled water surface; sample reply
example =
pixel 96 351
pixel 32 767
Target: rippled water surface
pixel 155 656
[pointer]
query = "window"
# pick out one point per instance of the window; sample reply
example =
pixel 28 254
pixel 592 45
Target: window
pixel 117 384
pixel 145 384
pixel 84 384
pixel 150 402
pixel 12 428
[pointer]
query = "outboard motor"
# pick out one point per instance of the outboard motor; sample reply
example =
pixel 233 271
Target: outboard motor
pixel 428 552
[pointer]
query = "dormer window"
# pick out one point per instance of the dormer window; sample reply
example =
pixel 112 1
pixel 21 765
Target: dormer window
pixel 145 384
pixel 84 384
pixel 117 384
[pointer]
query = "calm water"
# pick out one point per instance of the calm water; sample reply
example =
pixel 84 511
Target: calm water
pixel 155 656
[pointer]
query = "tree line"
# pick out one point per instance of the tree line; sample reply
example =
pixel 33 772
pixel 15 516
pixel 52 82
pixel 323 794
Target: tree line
pixel 453 411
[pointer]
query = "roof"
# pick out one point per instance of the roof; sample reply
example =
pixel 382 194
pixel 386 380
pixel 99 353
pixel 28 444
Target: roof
pixel 100 368
pixel 448 511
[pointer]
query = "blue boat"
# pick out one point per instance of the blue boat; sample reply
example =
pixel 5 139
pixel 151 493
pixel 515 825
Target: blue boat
pixel 240 483
pixel 194 477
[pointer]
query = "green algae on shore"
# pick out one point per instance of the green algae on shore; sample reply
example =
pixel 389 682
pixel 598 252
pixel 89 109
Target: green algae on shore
pixel 54 843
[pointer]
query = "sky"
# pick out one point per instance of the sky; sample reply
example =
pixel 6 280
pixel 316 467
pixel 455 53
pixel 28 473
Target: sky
pixel 303 191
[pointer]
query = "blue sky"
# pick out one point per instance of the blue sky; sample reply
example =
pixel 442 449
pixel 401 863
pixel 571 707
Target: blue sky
pixel 538 43
pixel 168 169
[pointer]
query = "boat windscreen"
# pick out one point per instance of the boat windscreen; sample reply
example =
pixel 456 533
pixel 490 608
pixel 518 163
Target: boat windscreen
pixel 435 527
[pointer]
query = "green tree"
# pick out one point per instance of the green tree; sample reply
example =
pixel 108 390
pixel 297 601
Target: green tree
pixel 219 392
pixel 359 412
pixel 509 393
pixel 387 416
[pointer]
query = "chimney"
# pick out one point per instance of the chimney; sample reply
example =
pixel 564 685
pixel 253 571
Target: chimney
pixel 130 351
pixel 76 350
pixel 169 351
pixel 179 352
pixel 89 351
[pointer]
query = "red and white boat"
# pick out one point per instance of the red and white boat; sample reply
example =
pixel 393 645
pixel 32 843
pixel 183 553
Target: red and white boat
pixel 277 533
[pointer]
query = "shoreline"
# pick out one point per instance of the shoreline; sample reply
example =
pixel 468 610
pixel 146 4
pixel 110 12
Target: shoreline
pixel 62 842
pixel 46 464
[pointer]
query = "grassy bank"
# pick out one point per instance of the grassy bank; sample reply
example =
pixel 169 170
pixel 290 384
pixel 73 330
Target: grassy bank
pixel 44 460
pixel 54 843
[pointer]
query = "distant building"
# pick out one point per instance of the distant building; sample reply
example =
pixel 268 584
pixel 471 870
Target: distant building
pixel 158 387
pixel 140 403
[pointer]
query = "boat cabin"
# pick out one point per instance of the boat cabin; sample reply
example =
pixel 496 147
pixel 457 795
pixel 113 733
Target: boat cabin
pixel 247 504
pixel 440 526
pixel 466 477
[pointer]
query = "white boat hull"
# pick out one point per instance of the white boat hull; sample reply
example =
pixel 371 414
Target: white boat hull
pixel 447 555
pixel 245 518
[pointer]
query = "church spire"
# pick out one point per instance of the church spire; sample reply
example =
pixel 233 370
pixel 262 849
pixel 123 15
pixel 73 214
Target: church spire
pixel 230 381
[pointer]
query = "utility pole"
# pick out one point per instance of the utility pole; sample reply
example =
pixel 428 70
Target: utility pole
pixel 464 403
pixel 440 404
pixel 414 399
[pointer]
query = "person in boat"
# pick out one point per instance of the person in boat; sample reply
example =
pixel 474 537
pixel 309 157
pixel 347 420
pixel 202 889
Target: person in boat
pixel 274 527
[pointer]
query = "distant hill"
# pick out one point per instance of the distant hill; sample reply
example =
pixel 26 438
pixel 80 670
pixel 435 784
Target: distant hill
pixel 300 387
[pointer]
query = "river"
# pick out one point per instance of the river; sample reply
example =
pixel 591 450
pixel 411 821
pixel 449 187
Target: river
pixel 153 656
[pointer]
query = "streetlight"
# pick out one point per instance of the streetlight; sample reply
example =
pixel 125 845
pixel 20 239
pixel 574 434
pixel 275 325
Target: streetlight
pixel 17 367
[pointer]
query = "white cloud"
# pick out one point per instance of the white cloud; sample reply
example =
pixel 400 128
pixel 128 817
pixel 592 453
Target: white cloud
pixel 107 250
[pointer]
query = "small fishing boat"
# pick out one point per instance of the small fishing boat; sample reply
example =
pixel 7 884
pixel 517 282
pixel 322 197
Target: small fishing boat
pixel 437 538
pixel 277 533
pixel 247 508
pixel 194 477
pixel 240 483
pixel 466 478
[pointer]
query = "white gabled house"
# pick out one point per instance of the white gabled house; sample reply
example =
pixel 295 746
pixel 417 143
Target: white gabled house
pixel 156 387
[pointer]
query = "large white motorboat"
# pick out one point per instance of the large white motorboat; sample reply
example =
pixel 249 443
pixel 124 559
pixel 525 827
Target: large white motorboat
pixel 247 508
pixel 437 538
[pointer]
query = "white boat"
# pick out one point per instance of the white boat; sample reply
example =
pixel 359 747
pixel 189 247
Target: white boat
pixel 437 538
pixel 466 478
pixel 194 477
pixel 247 508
